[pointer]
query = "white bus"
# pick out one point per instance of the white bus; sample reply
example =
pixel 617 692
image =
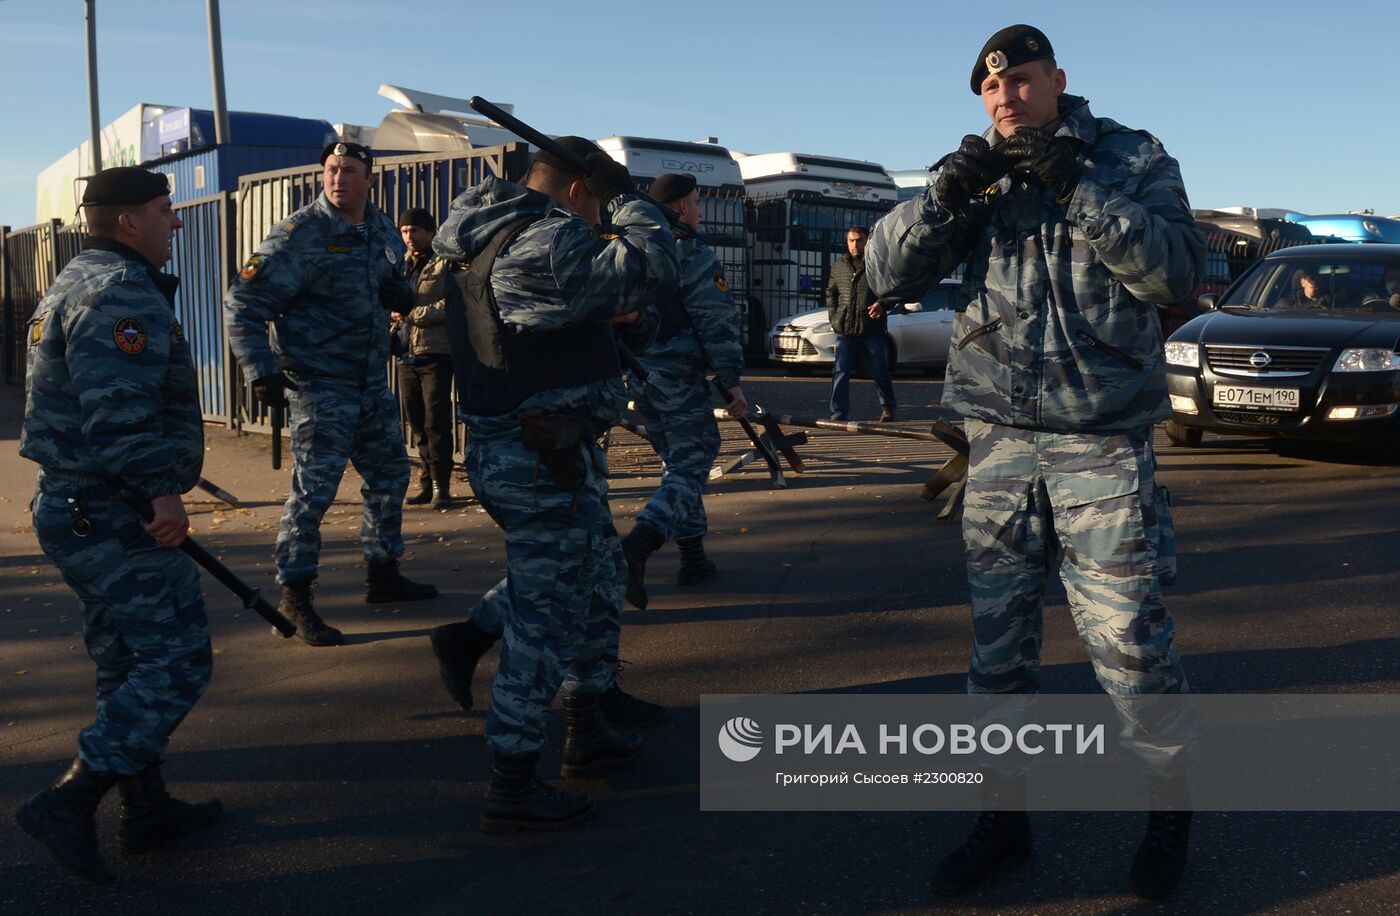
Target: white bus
pixel 799 208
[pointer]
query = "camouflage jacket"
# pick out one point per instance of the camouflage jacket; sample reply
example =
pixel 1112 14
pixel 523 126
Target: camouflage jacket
pixel 711 343
pixel 427 321
pixel 317 283
pixel 1060 330
pixel 561 273
pixel 111 396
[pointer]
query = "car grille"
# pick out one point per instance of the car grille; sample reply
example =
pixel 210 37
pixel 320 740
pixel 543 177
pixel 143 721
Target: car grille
pixel 1256 418
pixel 1282 360
pixel 791 345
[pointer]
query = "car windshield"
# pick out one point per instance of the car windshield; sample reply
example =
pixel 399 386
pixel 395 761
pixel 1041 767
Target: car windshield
pixel 1314 285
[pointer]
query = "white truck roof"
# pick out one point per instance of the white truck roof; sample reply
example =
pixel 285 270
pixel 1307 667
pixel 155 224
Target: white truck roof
pixel 649 158
pixel 829 176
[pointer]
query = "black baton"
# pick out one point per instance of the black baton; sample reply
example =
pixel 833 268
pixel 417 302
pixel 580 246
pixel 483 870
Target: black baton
pixel 250 597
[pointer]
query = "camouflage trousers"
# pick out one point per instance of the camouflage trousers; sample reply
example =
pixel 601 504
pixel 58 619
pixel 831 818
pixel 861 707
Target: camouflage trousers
pixel 559 607
pixel 143 622
pixel 1089 505
pixel 680 425
pixel 331 425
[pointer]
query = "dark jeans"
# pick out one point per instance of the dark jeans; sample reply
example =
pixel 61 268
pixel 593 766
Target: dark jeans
pixel 846 350
pixel 425 391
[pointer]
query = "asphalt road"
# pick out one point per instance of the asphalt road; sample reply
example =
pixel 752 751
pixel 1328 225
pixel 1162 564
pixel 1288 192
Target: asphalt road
pixel 352 785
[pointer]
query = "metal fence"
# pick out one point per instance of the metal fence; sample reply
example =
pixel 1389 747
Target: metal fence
pixel 794 242
pixel 219 232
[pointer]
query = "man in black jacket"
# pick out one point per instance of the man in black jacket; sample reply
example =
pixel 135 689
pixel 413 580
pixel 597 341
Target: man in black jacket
pixel 859 322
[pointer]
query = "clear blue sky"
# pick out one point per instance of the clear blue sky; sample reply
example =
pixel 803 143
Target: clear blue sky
pixel 1267 104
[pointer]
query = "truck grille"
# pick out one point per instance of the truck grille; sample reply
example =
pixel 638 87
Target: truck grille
pixel 1282 360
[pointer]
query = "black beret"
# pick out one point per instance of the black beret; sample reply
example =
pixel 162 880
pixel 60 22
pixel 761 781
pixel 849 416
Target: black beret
pixel 417 216
pixel 673 186
pixel 1011 47
pixel 352 150
pixel 576 145
pixel 126 184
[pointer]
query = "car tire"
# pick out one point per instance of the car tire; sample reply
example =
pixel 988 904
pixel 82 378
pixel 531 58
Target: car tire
pixel 1186 436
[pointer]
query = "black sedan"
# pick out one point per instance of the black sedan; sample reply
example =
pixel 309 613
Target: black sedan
pixel 1306 344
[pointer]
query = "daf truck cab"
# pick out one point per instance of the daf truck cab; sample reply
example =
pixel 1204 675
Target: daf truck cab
pixel 799 208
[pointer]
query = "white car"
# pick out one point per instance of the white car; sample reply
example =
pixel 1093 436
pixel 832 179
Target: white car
pixel 918 337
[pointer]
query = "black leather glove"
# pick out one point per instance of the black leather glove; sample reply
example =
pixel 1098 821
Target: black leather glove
pixel 968 172
pixel 395 294
pixel 1045 156
pixel 272 389
pixel 608 179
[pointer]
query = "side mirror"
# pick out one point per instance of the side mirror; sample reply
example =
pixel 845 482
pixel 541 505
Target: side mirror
pixel 1207 302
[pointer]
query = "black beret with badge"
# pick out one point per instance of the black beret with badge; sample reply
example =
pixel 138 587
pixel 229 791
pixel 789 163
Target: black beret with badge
pixel 127 184
pixel 349 150
pixel 672 186
pixel 1011 47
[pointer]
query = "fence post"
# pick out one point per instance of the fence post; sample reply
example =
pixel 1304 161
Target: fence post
pixel 55 224
pixel 8 332
pixel 228 267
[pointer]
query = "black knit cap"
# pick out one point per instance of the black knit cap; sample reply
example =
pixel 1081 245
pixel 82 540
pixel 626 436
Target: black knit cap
pixel 673 186
pixel 576 145
pixel 1011 47
pixel 417 216
pixel 127 184
pixel 351 150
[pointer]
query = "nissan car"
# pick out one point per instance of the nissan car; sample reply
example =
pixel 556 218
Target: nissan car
pixel 1305 344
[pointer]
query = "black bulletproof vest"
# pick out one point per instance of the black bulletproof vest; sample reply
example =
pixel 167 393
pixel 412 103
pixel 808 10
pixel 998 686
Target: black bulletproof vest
pixel 497 367
pixel 673 317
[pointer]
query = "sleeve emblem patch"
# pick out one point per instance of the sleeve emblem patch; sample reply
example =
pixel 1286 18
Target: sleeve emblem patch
pixel 177 333
pixel 36 332
pixel 720 283
pixel 129 335
pixel 250 270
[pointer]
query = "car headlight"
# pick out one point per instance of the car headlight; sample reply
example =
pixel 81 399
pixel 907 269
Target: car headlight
pixel 1183 354
pixel 821 327
pixel 1366 361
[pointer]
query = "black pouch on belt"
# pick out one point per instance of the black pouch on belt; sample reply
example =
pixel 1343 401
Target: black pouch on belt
pixel 559 443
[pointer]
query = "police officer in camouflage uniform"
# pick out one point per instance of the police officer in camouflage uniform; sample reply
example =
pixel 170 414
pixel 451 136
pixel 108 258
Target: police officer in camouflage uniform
pixel 1073 229
pixel 325 279
pixel 538 380
pixel 698 335
pixel 113 408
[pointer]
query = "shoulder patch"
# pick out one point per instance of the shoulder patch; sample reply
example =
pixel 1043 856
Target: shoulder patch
pixel 720 283
pixel 288 226
pixel 605 236
pixel 250 270
pixel 177 333
pixel 36 331
pixel 130 335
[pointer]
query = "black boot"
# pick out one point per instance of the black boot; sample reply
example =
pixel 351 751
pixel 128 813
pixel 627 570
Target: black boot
pixel 999 838
pixel 517 800
pixel 1161 857
pixel 694 564
pixel 591 746
pixel 62 816
pixel 623 710
pixel 311 629
pixel 425 489
pixel 641 542
pixel 384 583
pixel 459 647
pixel 150 816
pixel 442 487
